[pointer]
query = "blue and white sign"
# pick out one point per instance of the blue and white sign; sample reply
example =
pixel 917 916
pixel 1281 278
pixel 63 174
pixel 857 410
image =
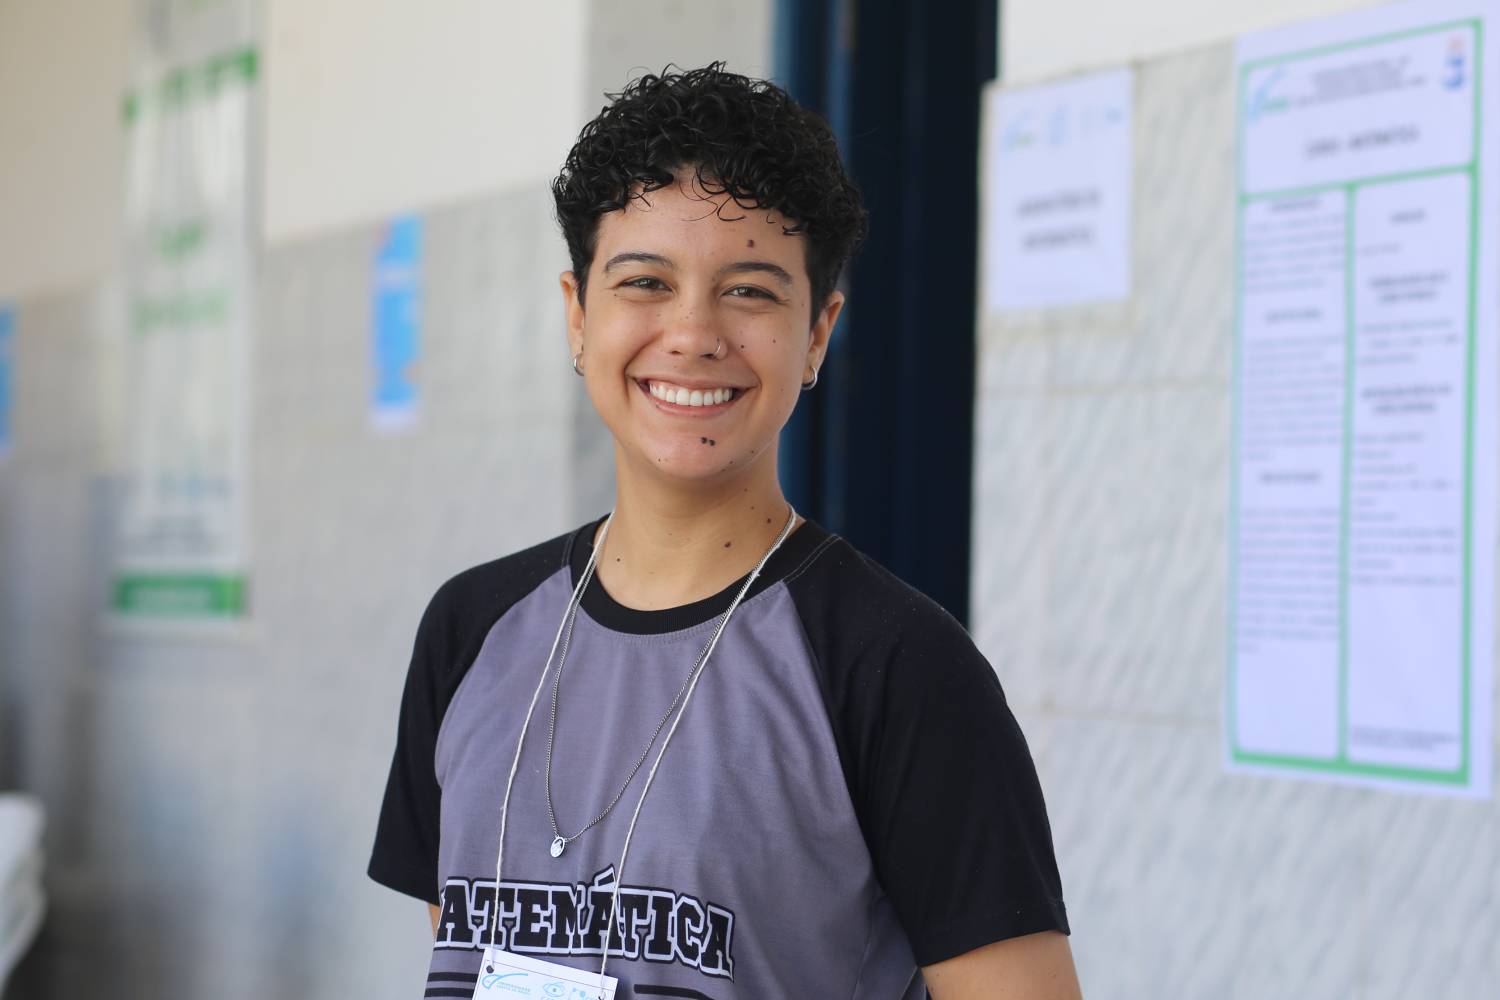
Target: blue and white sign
pixel 396 325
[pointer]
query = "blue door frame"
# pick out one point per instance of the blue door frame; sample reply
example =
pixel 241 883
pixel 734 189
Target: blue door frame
pixel 881 451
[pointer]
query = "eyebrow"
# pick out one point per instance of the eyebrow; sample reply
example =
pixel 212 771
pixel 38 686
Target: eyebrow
pixel 638 257
pixel 758 266
pixel 776 271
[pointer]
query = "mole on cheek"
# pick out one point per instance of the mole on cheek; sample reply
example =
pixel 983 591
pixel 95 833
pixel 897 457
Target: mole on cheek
pixel 749 243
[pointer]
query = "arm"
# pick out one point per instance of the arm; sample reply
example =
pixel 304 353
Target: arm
pixel 1033 967
pixel 433 912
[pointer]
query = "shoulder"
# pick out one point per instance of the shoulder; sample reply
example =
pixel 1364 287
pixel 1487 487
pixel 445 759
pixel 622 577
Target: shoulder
pixel 501 582
pixel 896 670
pixel 862 618
pixel 464 608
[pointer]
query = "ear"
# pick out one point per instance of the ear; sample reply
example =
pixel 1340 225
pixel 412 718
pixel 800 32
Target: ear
pixel 822 330
pixel 572 311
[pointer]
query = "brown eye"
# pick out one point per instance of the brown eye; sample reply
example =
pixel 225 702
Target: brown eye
pixel 751 292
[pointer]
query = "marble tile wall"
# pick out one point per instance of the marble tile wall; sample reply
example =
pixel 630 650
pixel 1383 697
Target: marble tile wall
pixel 213 798
pixel 1100 595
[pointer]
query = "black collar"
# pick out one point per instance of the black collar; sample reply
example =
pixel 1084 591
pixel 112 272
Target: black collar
pixel 604 609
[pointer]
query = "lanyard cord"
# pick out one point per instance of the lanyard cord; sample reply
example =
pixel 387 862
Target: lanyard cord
pixel 614 904
pixel 541 682
pixel 560 842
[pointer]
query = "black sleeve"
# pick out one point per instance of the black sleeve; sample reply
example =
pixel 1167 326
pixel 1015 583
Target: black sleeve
pixel 406 837
pixel 452 630
pixel 941 778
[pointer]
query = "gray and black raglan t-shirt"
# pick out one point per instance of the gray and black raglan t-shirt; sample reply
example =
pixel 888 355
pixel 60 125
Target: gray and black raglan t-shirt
pixel 848 796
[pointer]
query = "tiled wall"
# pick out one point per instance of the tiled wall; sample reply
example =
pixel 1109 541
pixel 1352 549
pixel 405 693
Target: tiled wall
pixel 213 797
pixel 1100 594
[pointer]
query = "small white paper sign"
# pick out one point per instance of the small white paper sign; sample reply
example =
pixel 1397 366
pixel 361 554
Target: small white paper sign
pixel 1057 178
pixel 504 975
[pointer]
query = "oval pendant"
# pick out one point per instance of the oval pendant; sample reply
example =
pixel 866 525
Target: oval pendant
pixel 557 847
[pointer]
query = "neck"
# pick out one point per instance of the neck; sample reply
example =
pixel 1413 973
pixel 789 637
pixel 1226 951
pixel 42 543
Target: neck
pixel 670 545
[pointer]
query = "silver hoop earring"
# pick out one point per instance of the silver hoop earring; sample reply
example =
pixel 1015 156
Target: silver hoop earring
pixel 808 385
pixel 576 370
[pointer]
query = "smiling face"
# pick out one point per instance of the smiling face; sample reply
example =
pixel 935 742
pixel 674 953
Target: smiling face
pixel 695 337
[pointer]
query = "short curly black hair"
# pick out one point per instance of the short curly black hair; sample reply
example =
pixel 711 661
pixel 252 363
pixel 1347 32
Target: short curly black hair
pixel 743 137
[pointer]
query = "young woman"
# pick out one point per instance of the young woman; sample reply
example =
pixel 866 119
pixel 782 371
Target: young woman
pixel 702 746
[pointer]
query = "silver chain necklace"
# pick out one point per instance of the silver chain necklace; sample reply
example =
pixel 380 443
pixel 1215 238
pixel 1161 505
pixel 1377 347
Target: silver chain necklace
pixel 560 842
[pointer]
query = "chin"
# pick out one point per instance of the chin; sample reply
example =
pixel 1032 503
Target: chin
pixel 693 461
pixel 696 469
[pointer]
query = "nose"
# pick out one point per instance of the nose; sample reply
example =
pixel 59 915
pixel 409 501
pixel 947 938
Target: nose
pixel 691 331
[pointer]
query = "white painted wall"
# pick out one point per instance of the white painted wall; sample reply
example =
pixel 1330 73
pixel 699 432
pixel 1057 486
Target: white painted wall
pixel 375 107
pixel 62 75
pixel 370 108
pixel 628 39
pixel 1047 38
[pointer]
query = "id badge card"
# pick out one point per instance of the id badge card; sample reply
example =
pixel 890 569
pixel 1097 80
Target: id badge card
pixel 507 976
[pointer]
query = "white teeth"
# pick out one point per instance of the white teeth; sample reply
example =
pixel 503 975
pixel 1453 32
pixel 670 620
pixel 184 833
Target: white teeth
pixel 689 397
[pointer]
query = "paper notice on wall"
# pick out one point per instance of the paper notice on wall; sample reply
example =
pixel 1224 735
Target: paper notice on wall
pixel 1364 502
pixel 1057 192
pixel 181 548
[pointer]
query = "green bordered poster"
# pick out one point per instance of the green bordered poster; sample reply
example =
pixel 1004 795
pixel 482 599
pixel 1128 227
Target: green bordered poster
pixel 180 551
pixel 1363 503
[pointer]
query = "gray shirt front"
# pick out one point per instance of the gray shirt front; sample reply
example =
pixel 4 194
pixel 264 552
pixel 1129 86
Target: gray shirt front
pixel 777 853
